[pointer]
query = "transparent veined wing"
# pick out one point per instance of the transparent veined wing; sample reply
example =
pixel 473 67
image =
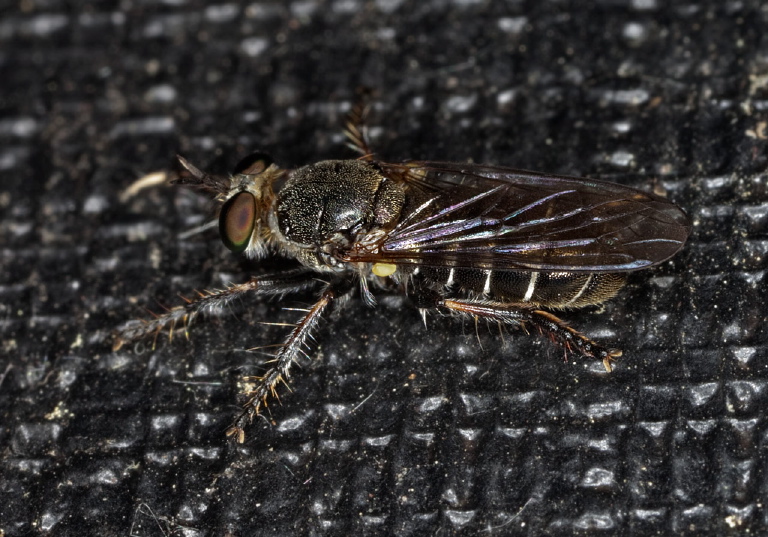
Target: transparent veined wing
pixel 475 216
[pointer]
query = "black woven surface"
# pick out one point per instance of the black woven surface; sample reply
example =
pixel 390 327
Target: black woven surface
pixel 394 428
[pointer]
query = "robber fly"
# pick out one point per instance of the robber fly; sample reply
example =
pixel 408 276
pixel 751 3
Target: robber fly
pixel 477 241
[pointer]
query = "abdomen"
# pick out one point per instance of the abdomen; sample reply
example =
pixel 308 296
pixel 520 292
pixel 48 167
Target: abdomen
pixel 547 289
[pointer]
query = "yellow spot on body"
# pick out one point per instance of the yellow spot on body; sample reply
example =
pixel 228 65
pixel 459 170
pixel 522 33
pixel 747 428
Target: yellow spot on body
pixel 383 269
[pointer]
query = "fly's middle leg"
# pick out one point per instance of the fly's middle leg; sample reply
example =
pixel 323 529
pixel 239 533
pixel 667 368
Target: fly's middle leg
pixel 279 371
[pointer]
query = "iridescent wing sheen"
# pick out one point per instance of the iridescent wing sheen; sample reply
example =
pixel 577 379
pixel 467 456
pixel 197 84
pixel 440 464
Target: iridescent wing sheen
pixel 473 216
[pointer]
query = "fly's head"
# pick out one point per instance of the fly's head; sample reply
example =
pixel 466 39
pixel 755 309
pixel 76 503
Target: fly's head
pixel 247 197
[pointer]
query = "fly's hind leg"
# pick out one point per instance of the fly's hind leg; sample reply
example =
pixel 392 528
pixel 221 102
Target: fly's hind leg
pixel 213 303
pixel 279 371
pixel 527 316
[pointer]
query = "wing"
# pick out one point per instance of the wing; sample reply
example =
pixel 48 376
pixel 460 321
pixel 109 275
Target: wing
pixel 467 215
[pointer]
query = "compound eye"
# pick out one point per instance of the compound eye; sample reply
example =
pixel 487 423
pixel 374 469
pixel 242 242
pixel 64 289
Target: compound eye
pixel 236 221
pixel 253 164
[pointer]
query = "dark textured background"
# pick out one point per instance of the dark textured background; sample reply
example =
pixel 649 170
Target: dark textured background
pixel 393 429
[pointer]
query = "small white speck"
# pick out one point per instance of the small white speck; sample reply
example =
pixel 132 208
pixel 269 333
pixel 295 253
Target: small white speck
pixel 162 93
pixel 512 25
pixel 644 5
pixel 505 97
pixel 95 204
pixel 253 46
pixel 221 12
pixel 461 103
pixel 622 158
pixel 634 31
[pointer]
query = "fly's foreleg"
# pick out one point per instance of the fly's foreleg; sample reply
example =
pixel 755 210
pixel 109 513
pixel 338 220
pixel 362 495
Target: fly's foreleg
pixel 279 371
pixel 528 316
pixel 213 303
